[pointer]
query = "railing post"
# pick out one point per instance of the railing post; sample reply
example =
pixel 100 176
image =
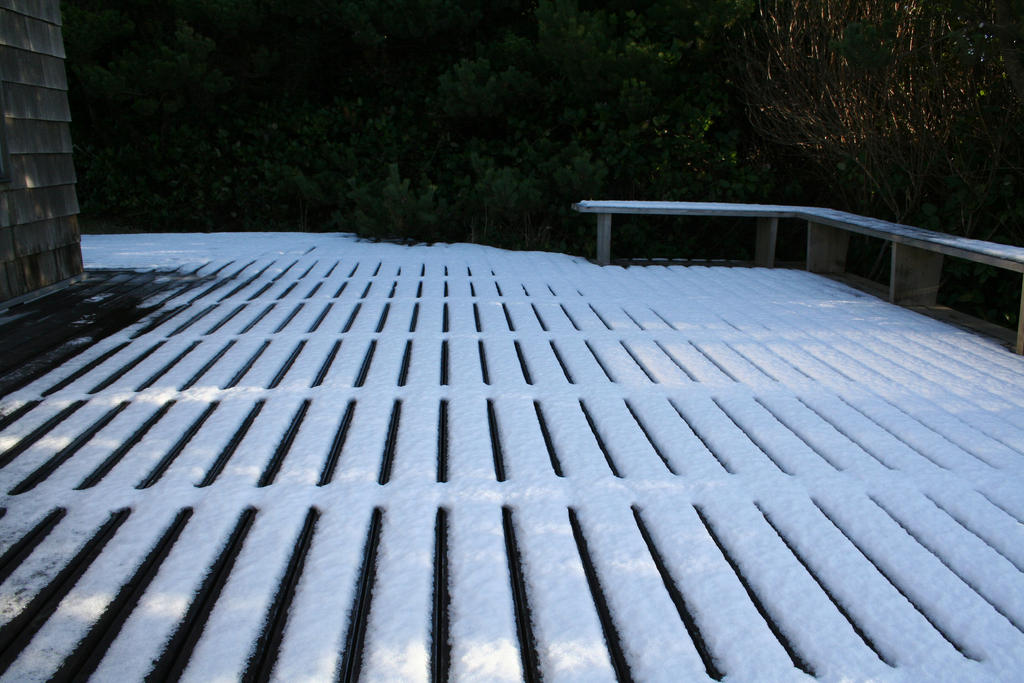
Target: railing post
pixel 1019 348
pixel 604 239
pixel 914 275
pixel 826 248
pixel 764 249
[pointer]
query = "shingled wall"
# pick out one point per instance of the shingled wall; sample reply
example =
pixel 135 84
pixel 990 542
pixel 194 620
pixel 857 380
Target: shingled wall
pixel 39 239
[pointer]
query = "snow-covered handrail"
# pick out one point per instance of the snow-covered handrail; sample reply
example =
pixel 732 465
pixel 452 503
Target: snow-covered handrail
pixel 916 253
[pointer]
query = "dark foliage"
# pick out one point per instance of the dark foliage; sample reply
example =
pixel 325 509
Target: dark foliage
pixel 464 120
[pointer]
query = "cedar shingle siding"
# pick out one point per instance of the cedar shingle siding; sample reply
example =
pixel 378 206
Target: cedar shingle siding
pixel 39 241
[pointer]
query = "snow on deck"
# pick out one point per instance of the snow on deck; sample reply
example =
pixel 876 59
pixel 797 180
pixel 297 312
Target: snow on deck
pixel 338 458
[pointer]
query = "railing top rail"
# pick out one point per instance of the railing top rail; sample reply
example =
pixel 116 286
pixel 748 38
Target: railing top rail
pixel 687 208
pixel 992 253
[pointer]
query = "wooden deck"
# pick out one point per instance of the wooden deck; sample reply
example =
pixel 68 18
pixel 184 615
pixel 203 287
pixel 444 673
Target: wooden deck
pixel 338 459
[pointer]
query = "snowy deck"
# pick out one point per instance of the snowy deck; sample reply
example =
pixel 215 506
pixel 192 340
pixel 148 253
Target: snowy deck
pixel 335 458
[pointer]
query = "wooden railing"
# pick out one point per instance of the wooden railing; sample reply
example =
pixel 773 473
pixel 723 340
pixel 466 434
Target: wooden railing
pixel 917 253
